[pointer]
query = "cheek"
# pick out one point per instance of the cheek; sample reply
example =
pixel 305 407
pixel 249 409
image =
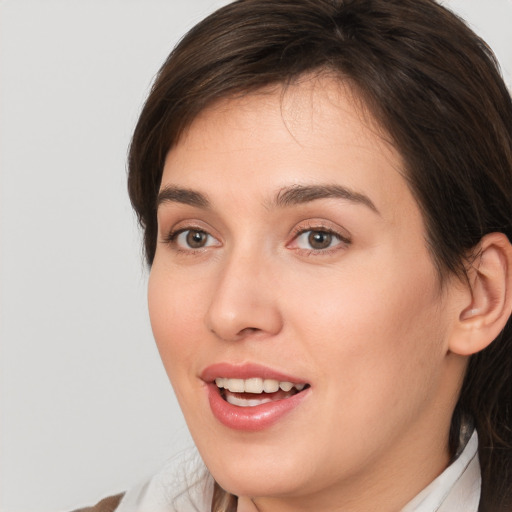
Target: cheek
pixel 375 342
pixel 173 310
pixel 379 331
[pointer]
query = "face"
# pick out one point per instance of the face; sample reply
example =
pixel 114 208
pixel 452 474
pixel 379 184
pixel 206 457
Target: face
pixel 294 302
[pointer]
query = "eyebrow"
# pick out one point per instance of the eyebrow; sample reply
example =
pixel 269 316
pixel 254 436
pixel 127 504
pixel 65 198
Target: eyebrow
pixel 172 194
pixel 299 194
pixel 287 196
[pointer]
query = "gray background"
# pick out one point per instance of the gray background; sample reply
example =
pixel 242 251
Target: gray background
pixel 86 408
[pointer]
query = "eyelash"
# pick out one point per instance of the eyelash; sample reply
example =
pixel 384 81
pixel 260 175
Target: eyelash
pixel 344 241
pixel 171 239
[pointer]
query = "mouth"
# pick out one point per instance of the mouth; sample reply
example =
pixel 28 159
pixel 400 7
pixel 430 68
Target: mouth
pixel 251 397
pixel 256 391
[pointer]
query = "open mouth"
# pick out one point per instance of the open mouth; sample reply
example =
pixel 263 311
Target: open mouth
pixel 256 391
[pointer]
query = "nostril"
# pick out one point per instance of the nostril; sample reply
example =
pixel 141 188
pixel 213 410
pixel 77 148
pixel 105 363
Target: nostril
pixel 248 330
pixel 243 333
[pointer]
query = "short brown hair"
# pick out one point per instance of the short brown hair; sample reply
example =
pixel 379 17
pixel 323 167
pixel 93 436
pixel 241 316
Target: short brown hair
pixel 435 88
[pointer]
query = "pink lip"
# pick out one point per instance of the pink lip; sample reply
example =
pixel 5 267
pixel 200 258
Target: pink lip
pixel 245 371
pixel 255 418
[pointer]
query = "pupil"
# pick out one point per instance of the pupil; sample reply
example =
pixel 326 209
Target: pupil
pixel 196 239
pixel 320 239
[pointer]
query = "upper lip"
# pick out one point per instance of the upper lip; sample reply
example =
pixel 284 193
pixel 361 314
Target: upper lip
pixel 246 371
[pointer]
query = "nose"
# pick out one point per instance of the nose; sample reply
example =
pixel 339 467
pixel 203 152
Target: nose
pixel 244 301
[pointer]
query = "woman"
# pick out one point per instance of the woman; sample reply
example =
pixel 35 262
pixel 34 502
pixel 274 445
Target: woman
pixel 325 189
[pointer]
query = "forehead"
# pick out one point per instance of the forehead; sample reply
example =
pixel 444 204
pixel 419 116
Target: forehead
pixel 302 106
pixel 315 130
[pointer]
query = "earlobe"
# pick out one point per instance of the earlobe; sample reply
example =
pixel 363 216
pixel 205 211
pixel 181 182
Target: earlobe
pixel 485 313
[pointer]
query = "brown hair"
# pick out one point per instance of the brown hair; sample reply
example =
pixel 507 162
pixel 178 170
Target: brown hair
pixel 431 83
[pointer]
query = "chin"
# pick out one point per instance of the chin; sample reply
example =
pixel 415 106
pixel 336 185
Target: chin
pixel 260 474
pixel 268 485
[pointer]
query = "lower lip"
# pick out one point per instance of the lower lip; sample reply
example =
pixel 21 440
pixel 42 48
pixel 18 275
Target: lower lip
pixel 254 418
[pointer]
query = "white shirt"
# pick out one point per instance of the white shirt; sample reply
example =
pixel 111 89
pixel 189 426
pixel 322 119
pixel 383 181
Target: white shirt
pixel 184 485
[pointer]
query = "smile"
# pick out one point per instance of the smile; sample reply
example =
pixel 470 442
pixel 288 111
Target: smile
pixel 256 391
pixel 252 397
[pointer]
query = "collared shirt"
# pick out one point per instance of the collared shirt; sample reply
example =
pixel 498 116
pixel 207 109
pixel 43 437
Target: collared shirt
pixel 184 485
pixel 456 489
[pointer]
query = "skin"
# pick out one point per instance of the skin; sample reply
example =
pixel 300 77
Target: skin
pixel 364 320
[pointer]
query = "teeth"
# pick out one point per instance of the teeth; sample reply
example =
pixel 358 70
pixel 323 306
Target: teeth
pixel 242 402
pixel 253 385
pixel 286 386
pixel 256 385
pixel 221 383
pixel 270 385
pixel 235 385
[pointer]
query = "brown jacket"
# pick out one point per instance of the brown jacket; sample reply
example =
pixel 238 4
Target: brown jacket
pixel 105 505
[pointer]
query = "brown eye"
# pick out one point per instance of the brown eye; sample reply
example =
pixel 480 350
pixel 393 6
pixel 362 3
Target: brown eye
pixel 196 239
pixel 192 239
pixel 319 239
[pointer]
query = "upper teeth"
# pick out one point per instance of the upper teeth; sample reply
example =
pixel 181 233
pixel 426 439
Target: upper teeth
pixel 256 385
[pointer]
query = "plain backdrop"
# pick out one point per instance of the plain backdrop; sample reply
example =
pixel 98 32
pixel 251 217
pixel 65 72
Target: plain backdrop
pixel 86 408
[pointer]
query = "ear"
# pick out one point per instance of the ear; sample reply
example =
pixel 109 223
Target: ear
pixel 488 305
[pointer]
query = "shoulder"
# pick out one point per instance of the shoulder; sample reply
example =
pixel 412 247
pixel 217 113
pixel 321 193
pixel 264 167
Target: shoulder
pixel 108 504
pixel 182 484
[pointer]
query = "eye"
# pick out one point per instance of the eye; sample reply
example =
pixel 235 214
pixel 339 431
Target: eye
pixel 192 239
pixel 318 240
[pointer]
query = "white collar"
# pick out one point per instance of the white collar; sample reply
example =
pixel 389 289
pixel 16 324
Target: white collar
pixel 456 489
pixel 184 485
